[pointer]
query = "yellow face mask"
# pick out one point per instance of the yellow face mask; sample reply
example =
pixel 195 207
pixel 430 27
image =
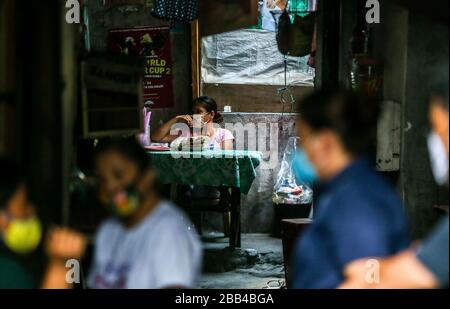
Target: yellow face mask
pixel 23 236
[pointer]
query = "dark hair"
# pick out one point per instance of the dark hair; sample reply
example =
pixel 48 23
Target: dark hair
pixel 440 90
pixel 210 105
pixel 10 179
pixel 352 116
pixel 438 82
pixel 128 147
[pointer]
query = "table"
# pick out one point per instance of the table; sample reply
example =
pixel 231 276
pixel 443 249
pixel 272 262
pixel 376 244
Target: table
pixel 224 168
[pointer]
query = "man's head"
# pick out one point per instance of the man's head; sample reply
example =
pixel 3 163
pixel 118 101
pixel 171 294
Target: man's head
pixel 336 126
pixel 438 140
pixel 126 177
pixel 13 193
pixel 438 112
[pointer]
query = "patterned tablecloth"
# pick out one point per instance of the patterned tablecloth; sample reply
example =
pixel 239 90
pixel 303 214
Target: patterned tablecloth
pixel 208 168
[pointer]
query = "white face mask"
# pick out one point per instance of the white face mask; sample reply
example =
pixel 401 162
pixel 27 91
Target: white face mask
pixel 439 158
pixel 198 120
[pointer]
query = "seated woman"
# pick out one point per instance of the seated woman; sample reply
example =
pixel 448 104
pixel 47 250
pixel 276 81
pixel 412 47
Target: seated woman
pixel 206 108
pixel 147 243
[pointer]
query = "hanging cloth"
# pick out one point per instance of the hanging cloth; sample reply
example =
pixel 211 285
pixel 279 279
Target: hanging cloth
pixel 301 35
pixel 296 39
pixel 176 10
pixel 284 33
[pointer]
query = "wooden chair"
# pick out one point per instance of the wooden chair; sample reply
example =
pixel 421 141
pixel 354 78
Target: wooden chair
pixel 222 204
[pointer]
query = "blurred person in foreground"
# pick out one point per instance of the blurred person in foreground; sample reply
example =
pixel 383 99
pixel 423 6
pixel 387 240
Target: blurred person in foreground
pixel 425 266
pixel 21 233
pixel 147 243
pixel 357 214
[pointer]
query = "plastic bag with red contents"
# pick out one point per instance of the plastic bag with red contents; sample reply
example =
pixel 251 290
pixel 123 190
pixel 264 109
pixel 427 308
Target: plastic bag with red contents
pixel 288 190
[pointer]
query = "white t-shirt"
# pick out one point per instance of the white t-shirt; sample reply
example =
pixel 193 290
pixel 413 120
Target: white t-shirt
pixel 162 251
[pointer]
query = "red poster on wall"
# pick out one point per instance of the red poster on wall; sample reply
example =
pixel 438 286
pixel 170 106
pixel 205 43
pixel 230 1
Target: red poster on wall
pixel 153 43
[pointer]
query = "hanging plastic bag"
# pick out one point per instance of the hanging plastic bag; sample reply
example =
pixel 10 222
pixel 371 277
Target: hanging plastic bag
pixel 284 33
pixel 302 35
pixel 288 190
pixel 144 138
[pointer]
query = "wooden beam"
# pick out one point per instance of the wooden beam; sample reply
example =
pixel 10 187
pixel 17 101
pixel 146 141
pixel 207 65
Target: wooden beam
pixel 195 58
pixel 8 123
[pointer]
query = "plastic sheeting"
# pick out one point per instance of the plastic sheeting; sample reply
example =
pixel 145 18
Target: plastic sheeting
pixel 250 56
pixel 288 190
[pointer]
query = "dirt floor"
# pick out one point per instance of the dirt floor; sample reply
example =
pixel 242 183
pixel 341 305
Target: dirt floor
pixel 258 262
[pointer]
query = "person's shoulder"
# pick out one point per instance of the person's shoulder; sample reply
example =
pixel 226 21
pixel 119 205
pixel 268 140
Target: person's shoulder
pixel 225 134
pixel 171 220
pixel 381 189
pixel 369 189
pixel 169 213
pixel 368 180
pixel 362 203
pixel 13 275
pixel 7 263
pixel 107 227
pixel 109 223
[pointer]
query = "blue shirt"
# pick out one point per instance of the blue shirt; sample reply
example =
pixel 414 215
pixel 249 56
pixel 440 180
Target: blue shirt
pixel 358 215
pixel 434 253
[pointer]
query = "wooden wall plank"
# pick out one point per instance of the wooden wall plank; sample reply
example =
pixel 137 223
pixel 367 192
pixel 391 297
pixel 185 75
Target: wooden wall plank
pixel 251 98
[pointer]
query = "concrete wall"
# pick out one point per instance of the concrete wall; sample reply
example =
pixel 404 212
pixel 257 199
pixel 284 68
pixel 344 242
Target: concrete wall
pixel 257 210
pixel 427 62
pixel 414 51
pixel 101 19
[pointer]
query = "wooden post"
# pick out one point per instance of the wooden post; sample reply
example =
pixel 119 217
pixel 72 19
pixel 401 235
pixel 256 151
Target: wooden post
pixel 235 233
pixel 195 58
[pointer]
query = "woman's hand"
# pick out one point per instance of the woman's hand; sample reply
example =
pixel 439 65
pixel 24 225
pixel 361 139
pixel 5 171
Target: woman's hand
pixel 185 118
pixel 64 244
pixel 162 135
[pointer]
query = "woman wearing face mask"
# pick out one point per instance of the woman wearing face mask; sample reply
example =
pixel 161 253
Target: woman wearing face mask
pixel 357 213
pixel 426 266
pixel 21 233
pixel 147 243
pixel 206 120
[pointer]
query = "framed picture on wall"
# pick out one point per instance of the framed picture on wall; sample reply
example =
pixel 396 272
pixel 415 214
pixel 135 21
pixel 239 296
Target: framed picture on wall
pixel 154 46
